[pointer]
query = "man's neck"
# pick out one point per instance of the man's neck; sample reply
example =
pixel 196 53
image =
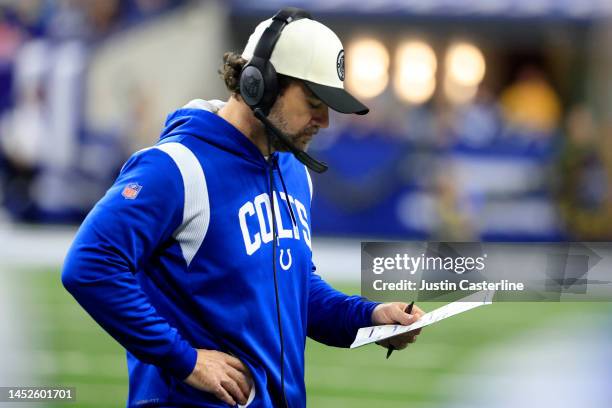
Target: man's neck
pixel 239 115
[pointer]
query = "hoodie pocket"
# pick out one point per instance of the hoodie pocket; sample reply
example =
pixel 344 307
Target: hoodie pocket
pixel 251 397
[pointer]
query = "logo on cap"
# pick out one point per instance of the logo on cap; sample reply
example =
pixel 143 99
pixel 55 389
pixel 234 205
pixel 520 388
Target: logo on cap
pixel 340 65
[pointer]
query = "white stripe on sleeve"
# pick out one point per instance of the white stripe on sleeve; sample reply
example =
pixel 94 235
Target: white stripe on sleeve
pixel 196 211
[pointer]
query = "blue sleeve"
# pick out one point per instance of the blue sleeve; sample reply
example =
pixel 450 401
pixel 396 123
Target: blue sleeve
pixel 141 210
pixel 333 317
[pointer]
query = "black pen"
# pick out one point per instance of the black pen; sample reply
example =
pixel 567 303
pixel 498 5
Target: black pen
pixel 408 310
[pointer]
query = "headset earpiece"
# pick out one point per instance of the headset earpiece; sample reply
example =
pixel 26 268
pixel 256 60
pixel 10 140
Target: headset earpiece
pixel 259 84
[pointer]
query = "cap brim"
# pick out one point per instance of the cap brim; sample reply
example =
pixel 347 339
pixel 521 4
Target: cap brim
pixel 337 99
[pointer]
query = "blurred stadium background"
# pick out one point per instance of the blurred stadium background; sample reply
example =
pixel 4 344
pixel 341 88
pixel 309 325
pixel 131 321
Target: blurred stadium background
pixel 491 120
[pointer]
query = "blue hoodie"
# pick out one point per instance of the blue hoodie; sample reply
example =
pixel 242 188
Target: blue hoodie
pixel 178 255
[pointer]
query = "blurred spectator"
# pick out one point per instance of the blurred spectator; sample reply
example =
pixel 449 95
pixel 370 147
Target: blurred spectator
pixel 11 38
pixel 453 209
pixel 530 104
pixel 586 185
pixel 23 129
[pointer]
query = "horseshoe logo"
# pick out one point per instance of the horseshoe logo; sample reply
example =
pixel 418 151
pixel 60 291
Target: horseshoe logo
pixel 287 265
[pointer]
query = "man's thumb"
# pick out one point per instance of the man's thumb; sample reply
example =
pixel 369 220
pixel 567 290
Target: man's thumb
pixel 402 317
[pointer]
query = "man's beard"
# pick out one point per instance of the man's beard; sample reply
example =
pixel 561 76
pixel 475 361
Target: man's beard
pixel 301 139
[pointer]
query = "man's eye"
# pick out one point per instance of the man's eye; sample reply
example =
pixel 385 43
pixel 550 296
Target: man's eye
pixel 314 105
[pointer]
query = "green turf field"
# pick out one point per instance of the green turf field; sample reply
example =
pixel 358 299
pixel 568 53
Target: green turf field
pixel 69 349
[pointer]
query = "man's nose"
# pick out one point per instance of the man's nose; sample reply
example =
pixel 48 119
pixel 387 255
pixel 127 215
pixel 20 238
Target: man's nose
pixel 321 117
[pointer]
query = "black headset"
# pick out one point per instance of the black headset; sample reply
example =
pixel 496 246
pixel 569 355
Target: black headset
pixel 259 82
pixel 258 79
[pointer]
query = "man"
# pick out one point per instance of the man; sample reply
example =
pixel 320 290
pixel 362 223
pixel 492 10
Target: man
pixel 198 259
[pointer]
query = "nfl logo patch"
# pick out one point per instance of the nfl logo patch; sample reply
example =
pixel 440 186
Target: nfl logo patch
pixel 131 191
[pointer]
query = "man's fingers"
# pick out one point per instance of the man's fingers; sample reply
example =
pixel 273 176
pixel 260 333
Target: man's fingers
pixel 237 364
pixel 417 311
pixel 399 345
pixel 242 380
pixel 402 317
pixel 409 319
pixel 401 342
pixel 223 395
pixel 240 377
pixel 405 338
pixel 398 314
pixel 234 390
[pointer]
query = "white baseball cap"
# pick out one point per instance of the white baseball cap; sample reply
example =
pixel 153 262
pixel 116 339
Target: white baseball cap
pixel 310 51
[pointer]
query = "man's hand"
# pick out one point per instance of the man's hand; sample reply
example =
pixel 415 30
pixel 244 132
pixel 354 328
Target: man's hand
pixel 222 375
pixel 393 313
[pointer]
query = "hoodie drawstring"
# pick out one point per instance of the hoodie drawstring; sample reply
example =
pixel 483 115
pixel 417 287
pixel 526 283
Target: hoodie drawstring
pixel 280 174
pixel 271 162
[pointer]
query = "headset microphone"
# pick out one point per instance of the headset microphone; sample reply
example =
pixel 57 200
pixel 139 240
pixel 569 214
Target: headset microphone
pixel 309 161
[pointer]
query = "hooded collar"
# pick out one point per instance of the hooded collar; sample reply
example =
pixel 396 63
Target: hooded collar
pixel 199 118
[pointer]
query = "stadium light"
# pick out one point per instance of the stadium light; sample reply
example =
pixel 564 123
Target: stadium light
pixel 415 72
pixel 465 64
pixel 465 69
pixel 367 67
